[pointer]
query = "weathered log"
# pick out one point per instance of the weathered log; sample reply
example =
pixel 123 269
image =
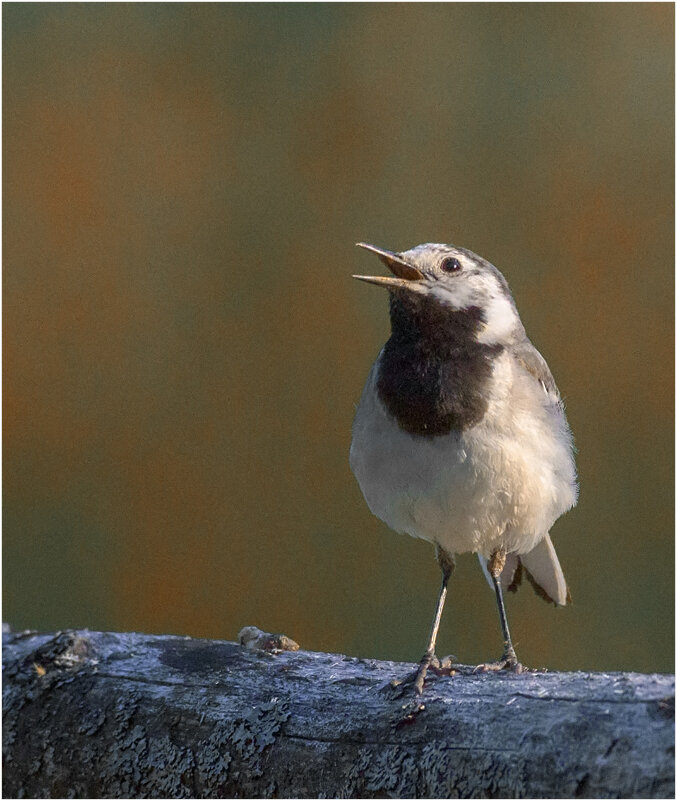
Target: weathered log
pixel 90 714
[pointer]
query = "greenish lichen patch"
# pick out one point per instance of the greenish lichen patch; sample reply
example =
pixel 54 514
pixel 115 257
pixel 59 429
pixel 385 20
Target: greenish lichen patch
pixel 256 730
pixel 170 769
pixel 237 745
pixel 92 721
pixel 391 772
pixel 211 764
pixel 434 770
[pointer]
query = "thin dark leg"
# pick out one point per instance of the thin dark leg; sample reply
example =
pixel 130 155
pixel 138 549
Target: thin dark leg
pixel 508 649
pixel 446 563
pixel 495 566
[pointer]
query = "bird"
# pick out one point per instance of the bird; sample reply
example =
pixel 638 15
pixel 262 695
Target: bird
pixel 460 436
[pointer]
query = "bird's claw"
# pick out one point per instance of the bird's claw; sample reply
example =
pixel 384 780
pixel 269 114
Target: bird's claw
pixel 440 667
pixel 507 662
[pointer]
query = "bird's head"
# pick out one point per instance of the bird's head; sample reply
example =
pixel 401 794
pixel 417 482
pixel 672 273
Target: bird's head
pixel 449 279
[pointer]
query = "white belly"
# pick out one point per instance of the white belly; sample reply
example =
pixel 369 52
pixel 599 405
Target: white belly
pixel 503 482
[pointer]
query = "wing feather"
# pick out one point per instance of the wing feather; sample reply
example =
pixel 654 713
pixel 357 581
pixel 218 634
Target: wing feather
pixel 532 361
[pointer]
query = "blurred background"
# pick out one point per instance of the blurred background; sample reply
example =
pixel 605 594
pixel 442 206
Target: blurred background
pixel 184 346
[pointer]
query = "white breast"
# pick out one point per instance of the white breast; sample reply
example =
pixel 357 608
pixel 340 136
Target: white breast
pixel 502 482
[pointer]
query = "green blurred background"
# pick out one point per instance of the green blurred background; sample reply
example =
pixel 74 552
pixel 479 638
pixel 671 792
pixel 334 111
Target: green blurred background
pixel 184 347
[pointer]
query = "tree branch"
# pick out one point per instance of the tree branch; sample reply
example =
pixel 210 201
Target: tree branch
pixel 94 714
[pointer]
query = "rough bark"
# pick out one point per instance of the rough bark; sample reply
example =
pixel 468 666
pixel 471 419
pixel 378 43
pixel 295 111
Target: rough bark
pixel 89 714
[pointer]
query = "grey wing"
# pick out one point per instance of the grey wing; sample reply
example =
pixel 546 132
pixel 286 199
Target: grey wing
pixel 532 361
pixel 535 365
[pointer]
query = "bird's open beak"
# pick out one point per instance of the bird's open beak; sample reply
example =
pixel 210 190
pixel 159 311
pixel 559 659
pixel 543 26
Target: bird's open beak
pixel 404 273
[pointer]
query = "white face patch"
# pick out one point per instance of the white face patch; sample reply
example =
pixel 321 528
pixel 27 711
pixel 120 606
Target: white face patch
pixel 501 320
pixel 456 292
pixel 457 295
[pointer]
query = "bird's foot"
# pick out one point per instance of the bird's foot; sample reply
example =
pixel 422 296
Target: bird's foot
pixel 413 708
pixel 440 667
pixel 508 662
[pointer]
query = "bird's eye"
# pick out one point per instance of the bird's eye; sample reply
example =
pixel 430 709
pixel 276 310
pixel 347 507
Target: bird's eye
pixel 451 265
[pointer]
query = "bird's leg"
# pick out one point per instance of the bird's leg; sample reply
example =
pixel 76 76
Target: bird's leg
pixel 509 659
pixel 446 563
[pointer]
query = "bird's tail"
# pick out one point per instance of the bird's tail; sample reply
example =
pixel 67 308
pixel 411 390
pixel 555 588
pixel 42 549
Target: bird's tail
pixel 542 569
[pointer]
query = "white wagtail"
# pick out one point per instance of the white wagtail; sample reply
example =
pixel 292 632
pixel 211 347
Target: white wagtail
pixel 460 436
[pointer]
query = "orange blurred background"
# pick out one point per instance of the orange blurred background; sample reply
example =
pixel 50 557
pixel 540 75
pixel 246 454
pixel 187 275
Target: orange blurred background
pixel 184 347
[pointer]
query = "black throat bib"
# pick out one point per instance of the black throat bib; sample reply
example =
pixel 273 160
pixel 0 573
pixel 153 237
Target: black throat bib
pixel 433 372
